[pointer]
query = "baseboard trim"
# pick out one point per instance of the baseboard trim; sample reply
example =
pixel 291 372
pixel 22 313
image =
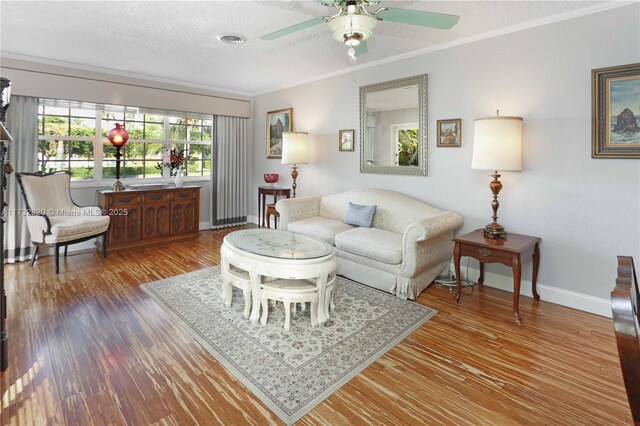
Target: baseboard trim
pixel 568 298
pixel 204 225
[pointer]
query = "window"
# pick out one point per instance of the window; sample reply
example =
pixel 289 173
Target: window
pixel 73 136
pixel 193 136
pixel 66 140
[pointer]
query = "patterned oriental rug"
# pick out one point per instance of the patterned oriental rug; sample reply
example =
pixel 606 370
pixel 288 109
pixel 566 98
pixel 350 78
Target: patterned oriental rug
pixel 290 372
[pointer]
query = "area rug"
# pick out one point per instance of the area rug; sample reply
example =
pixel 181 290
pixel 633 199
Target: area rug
pixel 290 372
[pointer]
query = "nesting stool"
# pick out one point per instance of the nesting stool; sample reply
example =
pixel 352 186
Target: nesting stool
pixel 294 291
pixel 287 292
pixel 239 278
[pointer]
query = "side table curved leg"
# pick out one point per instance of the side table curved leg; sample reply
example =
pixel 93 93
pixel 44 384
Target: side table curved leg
pixel 456 266
pixel 534 278
pixel 517 276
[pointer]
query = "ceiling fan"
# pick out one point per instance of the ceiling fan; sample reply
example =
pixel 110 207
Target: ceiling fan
pixel 353 24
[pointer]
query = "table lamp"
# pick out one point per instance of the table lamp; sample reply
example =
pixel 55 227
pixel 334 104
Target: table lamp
pixel 118 136
pixel 294 151
pixel 497 145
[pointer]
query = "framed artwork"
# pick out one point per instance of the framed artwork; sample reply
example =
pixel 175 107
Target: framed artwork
pixel 345 140
pixel 449 133
pixel 278 122
pixel 615 112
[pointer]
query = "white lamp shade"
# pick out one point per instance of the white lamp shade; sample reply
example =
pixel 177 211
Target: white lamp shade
pixel 295 149
pixel 497 144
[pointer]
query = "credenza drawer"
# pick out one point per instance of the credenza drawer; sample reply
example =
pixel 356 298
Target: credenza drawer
pixel 125 200
pixel 184 195
pixel 156 197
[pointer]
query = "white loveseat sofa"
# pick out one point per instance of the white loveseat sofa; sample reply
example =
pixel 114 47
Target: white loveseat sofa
pixel 407 246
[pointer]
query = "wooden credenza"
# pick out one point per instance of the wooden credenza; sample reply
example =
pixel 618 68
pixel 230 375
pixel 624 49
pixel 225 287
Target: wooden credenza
pixel 148 216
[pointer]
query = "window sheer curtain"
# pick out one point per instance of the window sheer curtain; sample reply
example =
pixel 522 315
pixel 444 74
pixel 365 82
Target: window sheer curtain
pixel 22 123
pixel 230 173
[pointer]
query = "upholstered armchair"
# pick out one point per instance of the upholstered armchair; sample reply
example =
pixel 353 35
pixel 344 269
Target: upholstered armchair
pixel 53 219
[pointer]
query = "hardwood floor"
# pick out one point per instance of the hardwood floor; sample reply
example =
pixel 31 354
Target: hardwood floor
pixel 88 346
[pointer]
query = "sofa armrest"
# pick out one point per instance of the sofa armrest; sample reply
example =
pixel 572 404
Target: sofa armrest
pixel 435 226
pixel 427 242
pixel 292 209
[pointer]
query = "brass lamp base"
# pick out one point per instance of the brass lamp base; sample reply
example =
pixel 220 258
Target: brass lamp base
pixel 294 176
pixel 494 230
pixel 117 186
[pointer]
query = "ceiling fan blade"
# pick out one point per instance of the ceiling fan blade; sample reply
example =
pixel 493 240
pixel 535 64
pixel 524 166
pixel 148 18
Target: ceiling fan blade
pixel 292 29
pixel 442 21
pixel 361 49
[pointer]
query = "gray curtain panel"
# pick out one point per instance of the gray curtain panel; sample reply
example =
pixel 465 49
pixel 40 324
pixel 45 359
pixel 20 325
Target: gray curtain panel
pixel 230 170
pixel 22 123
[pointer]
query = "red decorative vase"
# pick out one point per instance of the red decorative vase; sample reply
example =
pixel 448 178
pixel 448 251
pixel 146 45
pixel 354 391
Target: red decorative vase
pixel 271 178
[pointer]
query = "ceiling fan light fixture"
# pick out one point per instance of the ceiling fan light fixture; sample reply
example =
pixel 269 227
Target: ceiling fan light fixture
pixel 348 25
pixel 353 39
pixel 351 52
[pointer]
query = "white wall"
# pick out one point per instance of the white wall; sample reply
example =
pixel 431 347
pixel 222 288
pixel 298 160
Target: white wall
pixel 585 210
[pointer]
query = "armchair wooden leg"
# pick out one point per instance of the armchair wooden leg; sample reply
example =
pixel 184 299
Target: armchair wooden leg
pixel 65 251
pixel 104 245
pixel 57 249
pixel 35 255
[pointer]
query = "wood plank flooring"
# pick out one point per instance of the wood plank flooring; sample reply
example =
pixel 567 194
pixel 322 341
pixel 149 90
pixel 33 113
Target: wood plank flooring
pixel 89 347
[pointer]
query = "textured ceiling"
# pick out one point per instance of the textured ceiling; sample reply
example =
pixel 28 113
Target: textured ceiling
pixel 176 40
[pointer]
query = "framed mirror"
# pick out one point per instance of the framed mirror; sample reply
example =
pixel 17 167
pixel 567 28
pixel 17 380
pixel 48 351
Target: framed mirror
pixel 393 127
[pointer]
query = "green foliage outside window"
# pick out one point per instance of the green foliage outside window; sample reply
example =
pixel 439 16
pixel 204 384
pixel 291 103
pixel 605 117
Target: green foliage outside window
pixel 68 136
pixel 408 147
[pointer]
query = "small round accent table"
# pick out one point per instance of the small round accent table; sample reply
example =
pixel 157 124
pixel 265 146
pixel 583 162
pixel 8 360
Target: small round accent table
pixel 279 254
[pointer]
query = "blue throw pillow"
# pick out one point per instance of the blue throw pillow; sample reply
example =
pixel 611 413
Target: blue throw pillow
pixel 359 215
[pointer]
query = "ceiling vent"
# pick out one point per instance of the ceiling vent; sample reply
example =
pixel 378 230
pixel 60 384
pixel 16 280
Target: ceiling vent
pixel 231 39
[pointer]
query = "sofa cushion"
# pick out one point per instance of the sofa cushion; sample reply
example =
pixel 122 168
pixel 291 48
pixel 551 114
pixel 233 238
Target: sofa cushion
pixel 319 227
pixel 374 243
pixel 358 215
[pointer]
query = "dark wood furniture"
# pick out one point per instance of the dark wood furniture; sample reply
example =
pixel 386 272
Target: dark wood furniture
pixel 507 251
pixel 271 211
pixel 274 191
pixel 147 216
pixel 624 305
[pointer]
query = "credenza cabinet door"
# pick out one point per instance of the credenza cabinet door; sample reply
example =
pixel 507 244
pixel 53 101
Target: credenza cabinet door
pixel 184 212
pixel 155 220
pixel 125 215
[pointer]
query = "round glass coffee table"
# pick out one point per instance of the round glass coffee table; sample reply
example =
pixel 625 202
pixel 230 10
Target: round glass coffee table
pixel 279 254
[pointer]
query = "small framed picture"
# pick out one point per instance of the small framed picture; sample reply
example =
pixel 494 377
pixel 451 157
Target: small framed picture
pixel 449 133
pixel 615 109
pixel 277 122
pixel 345 140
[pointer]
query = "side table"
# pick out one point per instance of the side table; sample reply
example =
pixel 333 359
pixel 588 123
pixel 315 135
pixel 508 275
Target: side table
pixel 507 251
pixel 274 191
